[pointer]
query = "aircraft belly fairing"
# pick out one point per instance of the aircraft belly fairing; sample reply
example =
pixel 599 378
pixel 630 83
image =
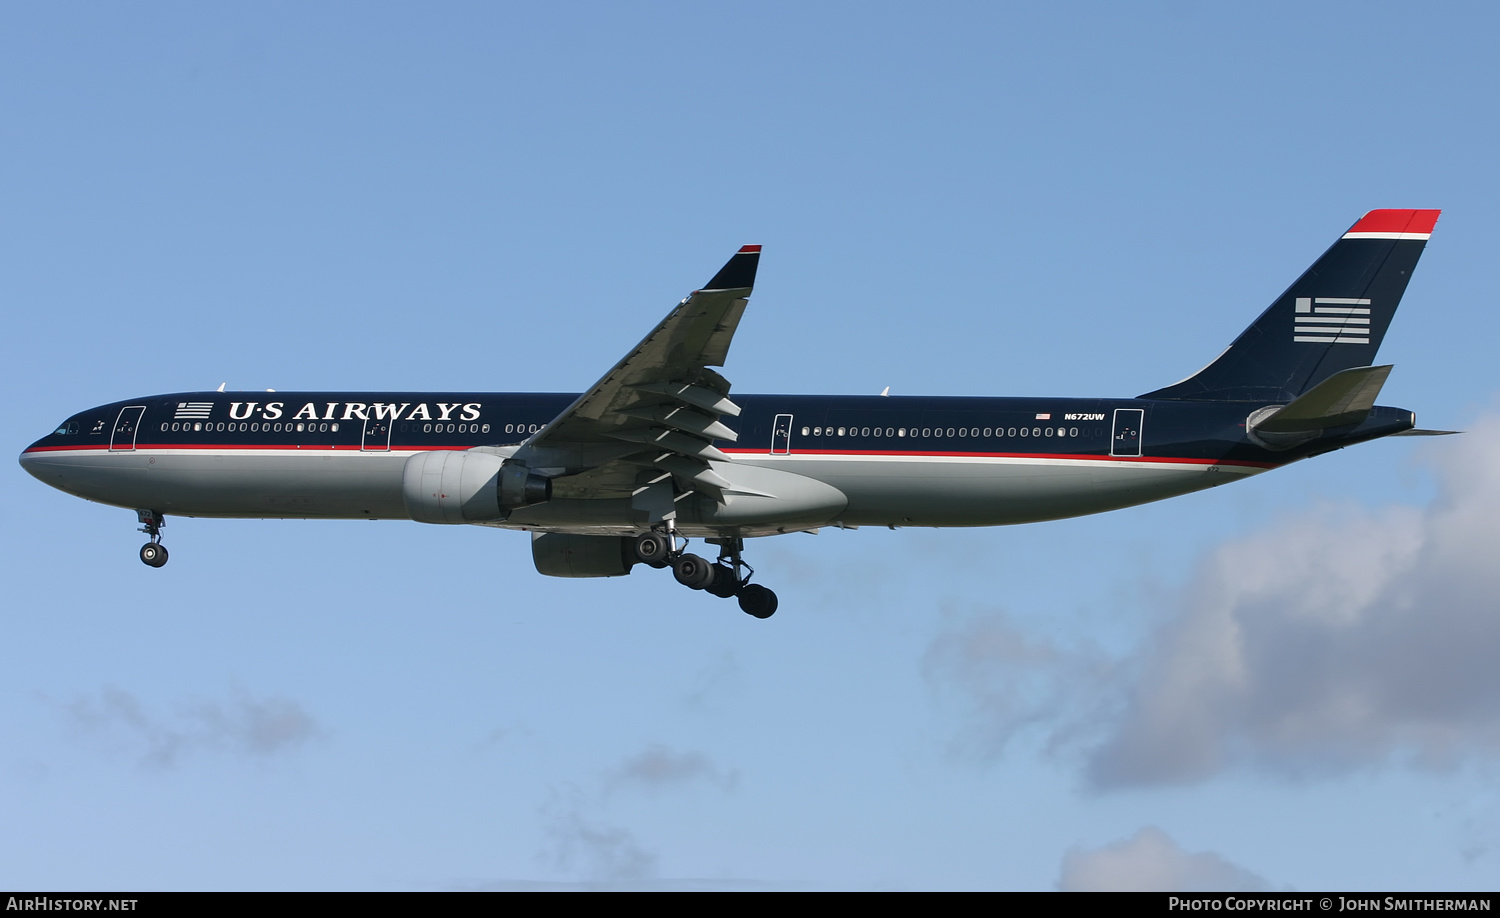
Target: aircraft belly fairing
pixel 1001 491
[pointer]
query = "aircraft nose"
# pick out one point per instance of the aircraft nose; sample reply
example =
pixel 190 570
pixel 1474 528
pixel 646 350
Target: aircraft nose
pixel 40 465
pixel 32 461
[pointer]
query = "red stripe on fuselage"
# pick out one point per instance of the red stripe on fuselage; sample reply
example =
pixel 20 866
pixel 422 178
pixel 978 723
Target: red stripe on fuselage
pixel 1091 457
pixel 286 447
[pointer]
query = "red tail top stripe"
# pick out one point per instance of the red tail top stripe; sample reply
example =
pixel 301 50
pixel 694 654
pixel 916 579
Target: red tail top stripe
pixel 1397 221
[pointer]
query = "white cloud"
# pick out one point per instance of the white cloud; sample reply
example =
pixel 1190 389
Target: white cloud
pixel 587 847
pixel 246 725
pixel 1010 678
pixel 660 768
pixel 1335 639
pixel 1150 861
pixel 595 852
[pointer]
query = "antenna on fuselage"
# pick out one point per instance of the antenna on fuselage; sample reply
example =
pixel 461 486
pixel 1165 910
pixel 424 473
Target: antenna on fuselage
pixel 886 391
pixel 221 387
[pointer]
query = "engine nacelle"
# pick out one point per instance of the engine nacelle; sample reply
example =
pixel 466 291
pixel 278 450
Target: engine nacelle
pixel 452 486
pixel 559 554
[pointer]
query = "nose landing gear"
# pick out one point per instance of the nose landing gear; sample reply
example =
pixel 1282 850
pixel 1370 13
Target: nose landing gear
pixel 720 578
pixel 153 553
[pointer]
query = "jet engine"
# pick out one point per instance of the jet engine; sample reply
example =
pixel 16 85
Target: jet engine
pixel 452 486
pixel 559 554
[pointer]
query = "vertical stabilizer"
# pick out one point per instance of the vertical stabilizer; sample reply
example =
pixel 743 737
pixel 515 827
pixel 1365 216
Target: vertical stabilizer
pixel 1333 318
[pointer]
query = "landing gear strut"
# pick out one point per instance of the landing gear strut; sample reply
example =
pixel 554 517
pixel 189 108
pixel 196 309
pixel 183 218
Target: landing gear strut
pixel 721 577
pixel 153 553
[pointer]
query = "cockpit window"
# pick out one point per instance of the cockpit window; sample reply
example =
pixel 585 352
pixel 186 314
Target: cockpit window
pixel 69 428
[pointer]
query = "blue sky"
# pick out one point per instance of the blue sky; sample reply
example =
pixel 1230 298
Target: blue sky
pixel 1286 683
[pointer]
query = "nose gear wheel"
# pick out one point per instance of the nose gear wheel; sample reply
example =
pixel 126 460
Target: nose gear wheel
pixel 153 553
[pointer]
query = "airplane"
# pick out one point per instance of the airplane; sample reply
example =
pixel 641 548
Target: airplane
pixel 658 452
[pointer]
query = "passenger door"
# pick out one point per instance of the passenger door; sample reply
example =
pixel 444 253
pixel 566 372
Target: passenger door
pixel 377 435
pixel 126 424
pixel 781 435
pixel 1127 432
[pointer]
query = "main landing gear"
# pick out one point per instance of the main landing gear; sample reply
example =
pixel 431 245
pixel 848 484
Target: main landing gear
pixel 721 577
pixel 153 553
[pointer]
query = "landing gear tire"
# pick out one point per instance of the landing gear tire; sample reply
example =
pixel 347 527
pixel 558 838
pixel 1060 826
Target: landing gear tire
pixel 758 601
pixel 654 549
pixel 153 554
pixel 725 583
pixel 693 572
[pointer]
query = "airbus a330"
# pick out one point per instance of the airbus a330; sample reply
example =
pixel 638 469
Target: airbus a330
pixel 658 451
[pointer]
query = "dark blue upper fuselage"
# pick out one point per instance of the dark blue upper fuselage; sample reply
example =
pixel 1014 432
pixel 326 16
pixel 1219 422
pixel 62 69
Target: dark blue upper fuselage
pixel 1169 429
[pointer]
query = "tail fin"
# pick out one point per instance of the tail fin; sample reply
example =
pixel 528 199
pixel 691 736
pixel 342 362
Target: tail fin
pixel 1333 318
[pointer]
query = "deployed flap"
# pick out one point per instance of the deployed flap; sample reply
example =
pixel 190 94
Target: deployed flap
pixel 1344 398
pixel 660 407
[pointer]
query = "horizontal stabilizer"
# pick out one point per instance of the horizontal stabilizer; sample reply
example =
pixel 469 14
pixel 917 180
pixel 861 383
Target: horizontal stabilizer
pixel 1344 398
pixel 1419 432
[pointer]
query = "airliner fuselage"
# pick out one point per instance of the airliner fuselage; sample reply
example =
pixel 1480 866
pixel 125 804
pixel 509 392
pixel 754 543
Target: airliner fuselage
pixel 897 461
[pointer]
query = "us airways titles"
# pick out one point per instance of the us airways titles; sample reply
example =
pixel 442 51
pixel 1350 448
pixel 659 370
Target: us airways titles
pixel 357 411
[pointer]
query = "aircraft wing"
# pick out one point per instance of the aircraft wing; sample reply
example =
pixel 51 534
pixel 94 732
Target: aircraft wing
pixel 652 419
